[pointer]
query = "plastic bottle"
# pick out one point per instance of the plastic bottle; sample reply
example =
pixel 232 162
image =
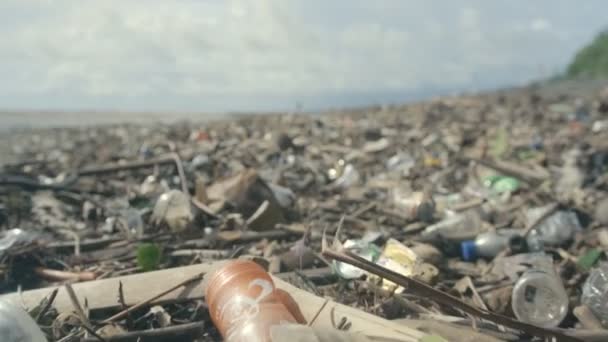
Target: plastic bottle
pixel 489 244
pixel 16 325
pixel 244 303
pixel 556 229
pixel 539 296
pixel 595 293
pixel 455 227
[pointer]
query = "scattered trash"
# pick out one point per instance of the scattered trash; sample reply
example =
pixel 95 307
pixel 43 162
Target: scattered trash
pixel 457 193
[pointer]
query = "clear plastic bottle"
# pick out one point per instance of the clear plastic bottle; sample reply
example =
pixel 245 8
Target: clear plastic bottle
pixel 456 227
pixel 489 244
pixel 556 229
pixel 244 303
pixel 539 296
pixel 595 293
pixel 16 325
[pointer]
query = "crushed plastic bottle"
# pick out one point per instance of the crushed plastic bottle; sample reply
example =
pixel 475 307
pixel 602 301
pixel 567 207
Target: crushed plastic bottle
pixel 556 229
pixel 16 325
pixel 244 302
pixel 595 293
pixel 173 208
pixel 539 296
pixel 455 227
pixel 416 205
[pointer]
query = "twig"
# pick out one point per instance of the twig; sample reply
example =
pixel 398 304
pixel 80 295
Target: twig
pixel 363 209
pixel 47 305
pixel 318 313
pixel 80 312
pixel 126 166
pixel 149 300
pixel 57 275
pixel 514 170
pixel 422 289
pixel 123 304
pixel 180 172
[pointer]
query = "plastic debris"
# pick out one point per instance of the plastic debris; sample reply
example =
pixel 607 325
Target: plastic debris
pixel 173 208
pixel 363 249
pixel 418 206
pixel 455 227
pixel 501 184
pixel 539 296
pixel 595 292
pixel 557 229
pixel 16 325
pixel 349 177
pixel 14 238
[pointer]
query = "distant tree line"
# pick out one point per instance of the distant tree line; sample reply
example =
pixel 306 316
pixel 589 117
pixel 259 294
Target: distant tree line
pixel 592 60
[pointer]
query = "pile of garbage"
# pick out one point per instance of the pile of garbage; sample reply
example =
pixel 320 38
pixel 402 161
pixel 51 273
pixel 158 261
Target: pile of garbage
pixel 485 213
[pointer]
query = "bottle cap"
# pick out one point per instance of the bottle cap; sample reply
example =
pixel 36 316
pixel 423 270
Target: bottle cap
pixel 468 250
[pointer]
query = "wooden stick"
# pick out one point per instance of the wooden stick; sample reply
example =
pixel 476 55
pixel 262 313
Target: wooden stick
pixel 91 171
pixel 57 275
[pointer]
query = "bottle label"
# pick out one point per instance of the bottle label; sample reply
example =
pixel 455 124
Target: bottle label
pixel 243 308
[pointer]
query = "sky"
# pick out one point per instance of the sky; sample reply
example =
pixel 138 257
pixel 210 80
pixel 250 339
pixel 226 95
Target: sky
pixel 258 55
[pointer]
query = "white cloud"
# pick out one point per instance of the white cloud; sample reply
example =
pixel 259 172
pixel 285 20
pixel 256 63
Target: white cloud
pixel 540 24
pixel 190 48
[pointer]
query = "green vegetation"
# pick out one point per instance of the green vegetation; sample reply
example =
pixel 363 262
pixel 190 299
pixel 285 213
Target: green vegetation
pixel 592 60
pixel 148 256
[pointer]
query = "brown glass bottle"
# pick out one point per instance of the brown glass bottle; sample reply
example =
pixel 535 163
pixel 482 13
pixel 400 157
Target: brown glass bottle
pixel 244 303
